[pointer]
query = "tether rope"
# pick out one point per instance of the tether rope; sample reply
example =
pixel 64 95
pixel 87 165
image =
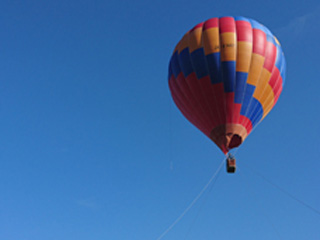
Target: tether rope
pixel 193 202
pixel 201 206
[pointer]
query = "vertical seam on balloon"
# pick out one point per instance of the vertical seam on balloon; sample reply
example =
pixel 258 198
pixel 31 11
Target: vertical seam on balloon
pixel 235 71
pixel 223 120
pixel 246 114
pixel 214 96
pixel 283 76
pixel 190 105
pixel 245 84
pixel 277 82
pixel 256 114
pixel 223 72
pixel 270 104
pixel 207 102
pixel 203 109
pixel 186 113
pixel 197 109
pixel 221 109
pixel 185 109
pixel 224 99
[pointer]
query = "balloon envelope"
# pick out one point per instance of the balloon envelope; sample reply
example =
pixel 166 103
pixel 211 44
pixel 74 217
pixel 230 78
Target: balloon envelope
pixel 225 75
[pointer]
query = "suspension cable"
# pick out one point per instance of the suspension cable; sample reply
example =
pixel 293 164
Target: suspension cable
pixel 284 191
pixel 273 226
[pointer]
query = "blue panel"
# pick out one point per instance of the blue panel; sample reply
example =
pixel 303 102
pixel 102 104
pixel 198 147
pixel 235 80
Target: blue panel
pixel 281 63
pixel 283 69
pixel 267 31
pixel 255 111
pixel 246 98
pixel 185 62
pixel 257 25
pixel 241 79
pixel 270 38
pixel 199 63
pixel 239 18
pixel 213 61
pixel 175 67
pixel 261 27
pixel 229 75
pixel 278 58
pixel 256 118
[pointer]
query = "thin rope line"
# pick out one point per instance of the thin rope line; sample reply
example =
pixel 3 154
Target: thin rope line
pixel 254 193
pixel 206 197
pixel 193 202
pixel 285 192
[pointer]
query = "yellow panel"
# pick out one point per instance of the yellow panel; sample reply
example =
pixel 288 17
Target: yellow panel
pixel 262 84
pixel 269 104
pixel 195 41
pixel 263 89
pixel 265 114
pixel 256 66
pixel 228 46
pixel 277 41
pixel 211 41
pixel 183 43
pixel 244 52
pixel 263 100
pixel 268 109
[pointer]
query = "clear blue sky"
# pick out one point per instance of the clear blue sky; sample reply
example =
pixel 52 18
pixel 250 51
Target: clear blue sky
pixel 93 147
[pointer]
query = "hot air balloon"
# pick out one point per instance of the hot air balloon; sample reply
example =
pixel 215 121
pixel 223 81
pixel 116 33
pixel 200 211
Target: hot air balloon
pixel 225 75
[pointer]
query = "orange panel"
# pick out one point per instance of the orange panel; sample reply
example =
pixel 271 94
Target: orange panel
pixel 211 41
pixel 263 89
pixel 195 41
pixel 228 46
pixel 256 66
pixel 244 53
pixel 183 43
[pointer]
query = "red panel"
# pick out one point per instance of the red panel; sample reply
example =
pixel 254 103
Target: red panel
pixel 236 112
pixel 229 106
pixel 273 82
pixel 271 54
pixel 278 86
pixel 259 41
pixel 210 98
pixel 189 117
pixel 279 90
pixel 211 23
pixel 188 106
pixel 244 31
pixel 227 24
pixel 218 91
pixel 197 26
pixel 246 123
pixel 274 77
pixel 198 95
pixel 190 98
